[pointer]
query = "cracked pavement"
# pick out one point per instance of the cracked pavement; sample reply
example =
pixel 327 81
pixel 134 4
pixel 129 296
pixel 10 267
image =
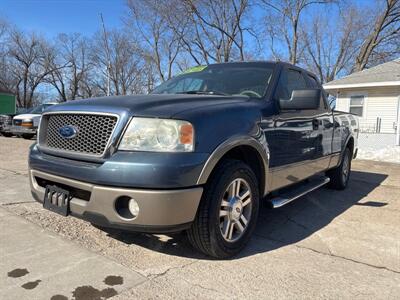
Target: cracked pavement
pixel 328 244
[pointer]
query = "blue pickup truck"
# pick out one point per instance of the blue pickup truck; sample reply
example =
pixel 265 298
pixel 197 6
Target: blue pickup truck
pixel 198 154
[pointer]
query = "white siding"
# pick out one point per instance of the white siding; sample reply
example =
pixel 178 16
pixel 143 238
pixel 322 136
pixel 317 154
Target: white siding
pixel 379 102
pixel 342 103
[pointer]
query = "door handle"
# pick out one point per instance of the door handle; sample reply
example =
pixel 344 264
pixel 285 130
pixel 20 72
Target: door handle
pixel 315 124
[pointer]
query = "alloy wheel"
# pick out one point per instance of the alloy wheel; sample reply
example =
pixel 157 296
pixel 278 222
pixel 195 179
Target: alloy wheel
pixel 235 210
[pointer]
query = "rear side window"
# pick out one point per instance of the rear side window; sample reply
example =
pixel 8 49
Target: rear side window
pixel 290 80
pixel 315 85
pixel 314 82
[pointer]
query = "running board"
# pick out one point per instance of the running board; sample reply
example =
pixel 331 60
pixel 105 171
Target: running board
pixel 303 189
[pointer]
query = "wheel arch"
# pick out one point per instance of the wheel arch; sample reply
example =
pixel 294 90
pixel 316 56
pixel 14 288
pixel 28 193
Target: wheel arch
pixel 247 149
pixel 350 144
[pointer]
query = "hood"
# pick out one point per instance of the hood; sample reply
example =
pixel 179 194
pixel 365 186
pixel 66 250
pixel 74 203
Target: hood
pixel 163 106
pixel 26 116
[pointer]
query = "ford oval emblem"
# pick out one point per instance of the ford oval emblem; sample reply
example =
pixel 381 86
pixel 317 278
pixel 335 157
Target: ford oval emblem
pixel 68 131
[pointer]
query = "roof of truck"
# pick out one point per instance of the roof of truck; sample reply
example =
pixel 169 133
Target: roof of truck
pixel 266 62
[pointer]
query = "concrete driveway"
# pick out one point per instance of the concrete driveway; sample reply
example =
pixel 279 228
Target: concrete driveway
pixel 327 244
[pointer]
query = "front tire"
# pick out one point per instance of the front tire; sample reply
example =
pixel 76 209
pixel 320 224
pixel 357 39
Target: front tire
pixel 340 175
pixel 228 211
pixel 7 134
pixel 28 136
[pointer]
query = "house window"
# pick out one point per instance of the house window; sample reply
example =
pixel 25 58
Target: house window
pixel 357 105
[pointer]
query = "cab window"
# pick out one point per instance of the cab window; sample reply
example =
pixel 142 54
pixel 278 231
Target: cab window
pixel 313 82
pixel 290 80
pixel 315 85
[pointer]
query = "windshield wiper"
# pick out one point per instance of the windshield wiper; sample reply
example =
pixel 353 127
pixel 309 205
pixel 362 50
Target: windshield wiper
pixel 204 93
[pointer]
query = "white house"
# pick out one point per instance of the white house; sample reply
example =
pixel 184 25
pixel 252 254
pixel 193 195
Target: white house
pixel 372 94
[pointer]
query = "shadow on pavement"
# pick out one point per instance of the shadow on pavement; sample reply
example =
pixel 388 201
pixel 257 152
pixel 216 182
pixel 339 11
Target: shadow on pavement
pixel 277 227
pixel 372 204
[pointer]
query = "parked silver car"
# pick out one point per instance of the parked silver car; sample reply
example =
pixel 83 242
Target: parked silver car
pixel 26 125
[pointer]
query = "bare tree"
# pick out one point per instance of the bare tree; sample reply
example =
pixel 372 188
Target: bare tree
pixel 88 85
pixel 164 37
pixel 70 63
pixel 175 34
pixel 284 23
pixel 157 42
pixel 219 28
pixel 29 65
pixel 331 52
pixel 3 32
pixel 385 32
pixel 124 64
pixel 5 80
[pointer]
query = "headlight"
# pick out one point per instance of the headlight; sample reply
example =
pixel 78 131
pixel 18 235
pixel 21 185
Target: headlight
pixel 159 135
pixel 27 123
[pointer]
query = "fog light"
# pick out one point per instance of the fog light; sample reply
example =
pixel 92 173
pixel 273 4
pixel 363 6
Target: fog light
pixel 127 207
pixel 134 207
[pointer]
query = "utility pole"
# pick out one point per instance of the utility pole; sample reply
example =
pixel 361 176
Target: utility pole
pixel 107 53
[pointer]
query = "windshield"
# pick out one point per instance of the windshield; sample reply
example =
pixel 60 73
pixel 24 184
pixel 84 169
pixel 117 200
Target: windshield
pixel 247 79
pixel 39 109
pixel 22 110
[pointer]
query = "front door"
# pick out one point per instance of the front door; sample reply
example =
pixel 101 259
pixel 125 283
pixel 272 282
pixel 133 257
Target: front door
pixel 292 139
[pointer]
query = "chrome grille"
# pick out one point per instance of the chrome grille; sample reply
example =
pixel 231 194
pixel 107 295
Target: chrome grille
pixel 5 119
pixel 93 132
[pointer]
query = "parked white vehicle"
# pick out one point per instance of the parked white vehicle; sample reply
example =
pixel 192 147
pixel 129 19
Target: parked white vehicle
pixel 26 125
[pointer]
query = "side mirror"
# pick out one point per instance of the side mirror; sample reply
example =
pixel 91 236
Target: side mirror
pixel 302 99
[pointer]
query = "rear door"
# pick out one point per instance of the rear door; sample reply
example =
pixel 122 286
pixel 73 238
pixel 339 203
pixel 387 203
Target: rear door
pixel 322 134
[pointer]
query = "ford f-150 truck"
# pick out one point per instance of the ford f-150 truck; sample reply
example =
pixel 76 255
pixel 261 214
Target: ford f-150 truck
pixel 198 154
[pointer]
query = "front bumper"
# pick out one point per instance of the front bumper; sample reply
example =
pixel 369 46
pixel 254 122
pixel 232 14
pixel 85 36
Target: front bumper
pixel 147 170
pixel 22 130
pixel 160 210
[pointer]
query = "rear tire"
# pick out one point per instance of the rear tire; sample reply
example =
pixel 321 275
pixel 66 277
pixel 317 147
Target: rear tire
pixel 7 134
pixel 340 175
pixel 228 211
